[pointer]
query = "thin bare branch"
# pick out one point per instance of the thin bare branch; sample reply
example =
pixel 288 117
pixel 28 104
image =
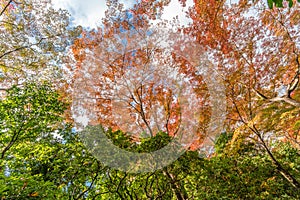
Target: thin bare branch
pixel 5 7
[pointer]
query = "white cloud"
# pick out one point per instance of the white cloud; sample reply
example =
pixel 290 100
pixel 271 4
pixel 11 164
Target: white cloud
pixel 128 3
pixel 175 9
pixel 87 13
pixel 231 2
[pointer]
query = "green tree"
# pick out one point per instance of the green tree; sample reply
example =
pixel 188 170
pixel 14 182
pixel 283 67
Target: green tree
pixel 40 155
pixel 28 112
pixel 246 174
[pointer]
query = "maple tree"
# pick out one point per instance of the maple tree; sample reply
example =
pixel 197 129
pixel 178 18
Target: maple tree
pixel 257 52
pixel 247 49
pixel 126 79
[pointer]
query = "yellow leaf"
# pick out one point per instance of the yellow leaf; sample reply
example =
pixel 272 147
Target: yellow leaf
pixel 34 194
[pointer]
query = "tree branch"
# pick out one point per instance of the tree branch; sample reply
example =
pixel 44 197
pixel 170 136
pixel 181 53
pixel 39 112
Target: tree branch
pixel 289 177
pixel 6 6
pixel 295 82
pixel 286 98
pixel 20 48
pixel 92 183
pixel 12 141
pixel 28 46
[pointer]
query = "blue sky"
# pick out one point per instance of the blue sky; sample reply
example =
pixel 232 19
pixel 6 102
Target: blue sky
pixel 88 13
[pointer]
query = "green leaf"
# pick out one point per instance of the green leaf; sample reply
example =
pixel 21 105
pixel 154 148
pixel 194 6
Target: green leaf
pixel 297 125
pixel 270 4
pixel 278 3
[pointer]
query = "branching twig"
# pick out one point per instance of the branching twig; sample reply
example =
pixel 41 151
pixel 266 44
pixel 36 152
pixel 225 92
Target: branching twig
pixel 6 6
